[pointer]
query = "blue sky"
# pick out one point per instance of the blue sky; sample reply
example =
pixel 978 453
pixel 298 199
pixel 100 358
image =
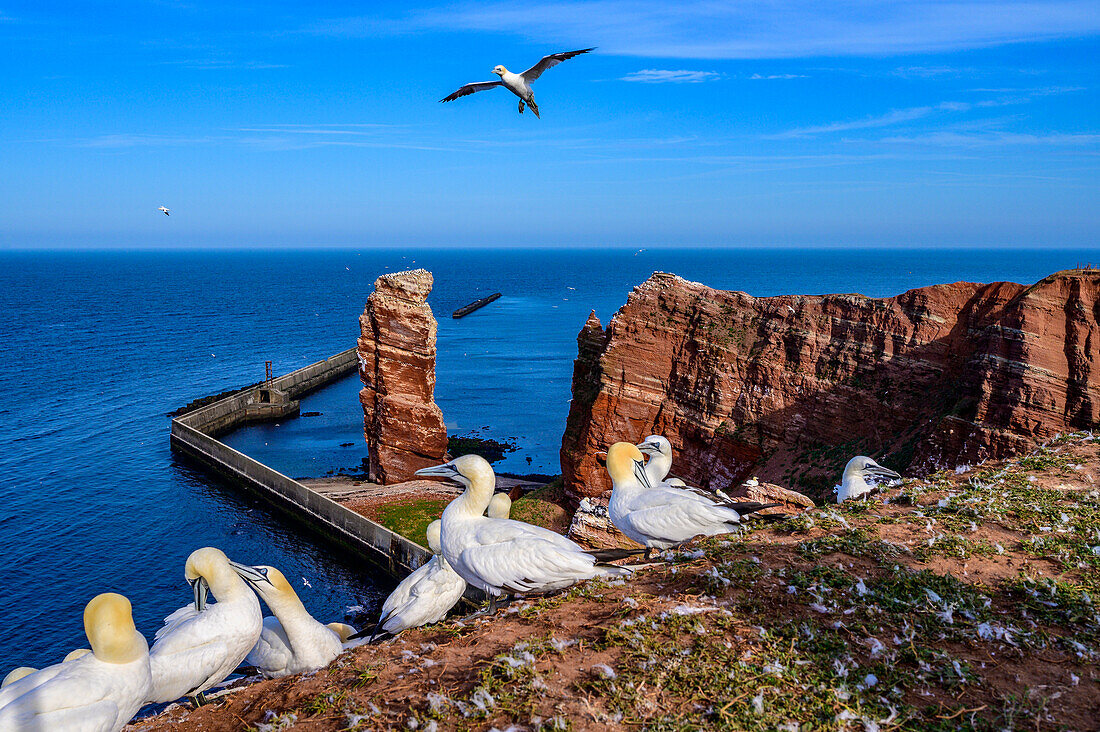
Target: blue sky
pixel 764 122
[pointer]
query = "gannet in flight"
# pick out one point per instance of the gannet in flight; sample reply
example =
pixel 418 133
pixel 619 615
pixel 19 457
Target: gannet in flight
pixel 518 84
pixel 424 597
pixel 100 691
pixel 291 641
pixel 164 211
pixel 854 483
pixel 199 645
pixel 500 556
pixel 662 516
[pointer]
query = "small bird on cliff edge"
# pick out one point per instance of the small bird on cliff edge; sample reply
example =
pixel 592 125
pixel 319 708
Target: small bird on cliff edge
pixel 518 84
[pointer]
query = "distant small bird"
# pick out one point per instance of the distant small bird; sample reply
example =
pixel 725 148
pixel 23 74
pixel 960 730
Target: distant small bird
pixel 164 211
pixel 518 84
pixel 306 583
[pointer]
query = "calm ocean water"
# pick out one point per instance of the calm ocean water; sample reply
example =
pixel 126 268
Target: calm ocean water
pixel 100 346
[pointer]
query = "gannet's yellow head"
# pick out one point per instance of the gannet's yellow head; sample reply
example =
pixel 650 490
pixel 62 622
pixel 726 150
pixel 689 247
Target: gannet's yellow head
pixel 268 582
pixel 342 630
pixel 469 470
pixel 20 672
pixel 864 467
pixel 500 507
pixel 205 562
pixel 75 654
pixel 499 70
pixel 656 445
pixel 435 534
pixel 109 625
pixel 625 463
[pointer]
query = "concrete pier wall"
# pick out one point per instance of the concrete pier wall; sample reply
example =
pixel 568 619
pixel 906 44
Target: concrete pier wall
pixel 194 436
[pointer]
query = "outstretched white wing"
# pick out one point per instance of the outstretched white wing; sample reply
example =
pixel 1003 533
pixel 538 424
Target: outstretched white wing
pixel 549 62
pixel 470 88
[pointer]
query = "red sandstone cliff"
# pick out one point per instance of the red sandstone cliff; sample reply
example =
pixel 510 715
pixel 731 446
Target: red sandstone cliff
pixel 791 387
pixel 402 424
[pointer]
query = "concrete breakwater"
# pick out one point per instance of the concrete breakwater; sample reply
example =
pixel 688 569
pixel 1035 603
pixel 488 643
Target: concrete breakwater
pixel 194 436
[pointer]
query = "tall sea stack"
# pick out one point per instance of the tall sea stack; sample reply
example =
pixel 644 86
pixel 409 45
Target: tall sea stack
pixel 401 421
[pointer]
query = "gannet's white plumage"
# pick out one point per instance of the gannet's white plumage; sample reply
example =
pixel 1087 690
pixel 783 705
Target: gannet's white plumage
pixel 199 645
pixel 854 482
pixel 76 653
pixel 291 641
pixel 518 84
pixel 164 211
pixel 426 595
pixel 98 692
pixel 662 516
pixel 502 556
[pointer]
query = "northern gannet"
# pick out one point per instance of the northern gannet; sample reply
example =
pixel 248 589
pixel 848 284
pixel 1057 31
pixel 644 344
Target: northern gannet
pixel 662 516
pixel 500 556
pixel 518 84
pixel 659 451
pixel 99 691
pixel 854 483
pixel 76 653
pixel 291 641
pixel 164 211
pixel 425 596
pixel 199 645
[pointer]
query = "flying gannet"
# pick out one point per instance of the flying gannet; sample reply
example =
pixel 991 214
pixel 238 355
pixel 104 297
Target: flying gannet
pixel 662 516
pixel 200 644
pixel 100 691
pixel 164 211
pixel 518 84
pixel 500 556
pixel 854 483
pixel 291 641
pixel 422 598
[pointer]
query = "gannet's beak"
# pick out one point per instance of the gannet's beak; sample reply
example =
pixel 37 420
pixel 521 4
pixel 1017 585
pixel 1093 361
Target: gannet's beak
pixel 649 448
pixel 446 470
pixel 251 575
pixel 639 473
pixel 880 472
pixel 201 590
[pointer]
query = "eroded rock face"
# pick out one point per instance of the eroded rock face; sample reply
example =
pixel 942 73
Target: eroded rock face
pixel 791 387
pixel 403 426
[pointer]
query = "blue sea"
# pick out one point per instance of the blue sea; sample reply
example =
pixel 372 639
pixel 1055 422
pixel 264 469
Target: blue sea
pixel 100 346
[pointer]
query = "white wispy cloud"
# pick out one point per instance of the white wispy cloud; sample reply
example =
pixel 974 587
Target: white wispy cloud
pixel 674 76
pixel 909 114
pixel 778 76
pixel 753 28
pixel 949 138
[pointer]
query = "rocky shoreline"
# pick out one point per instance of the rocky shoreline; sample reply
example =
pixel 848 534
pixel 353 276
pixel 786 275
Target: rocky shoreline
pixel 963 599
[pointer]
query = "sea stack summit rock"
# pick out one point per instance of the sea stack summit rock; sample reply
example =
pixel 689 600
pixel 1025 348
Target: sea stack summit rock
pixel 789 388
pixel 401 421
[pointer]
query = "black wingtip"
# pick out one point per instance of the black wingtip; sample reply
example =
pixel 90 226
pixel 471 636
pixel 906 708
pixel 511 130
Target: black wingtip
pixel 748 507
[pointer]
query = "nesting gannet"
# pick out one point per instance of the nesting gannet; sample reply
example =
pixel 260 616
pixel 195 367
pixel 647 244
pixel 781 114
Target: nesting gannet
pixel 518 84
pixel 77 653
pixel 501 556
pixel 854 483
pixel 164 211
pixel 342 630
pixel 500 506
pixel 17 673
pixel 200 644
pixel 291 641
pixel 659 450
pixel 99 691
pixel 662 516
pixel 425 596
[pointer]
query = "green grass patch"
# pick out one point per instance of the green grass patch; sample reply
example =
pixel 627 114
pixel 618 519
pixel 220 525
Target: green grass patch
pixel 410 518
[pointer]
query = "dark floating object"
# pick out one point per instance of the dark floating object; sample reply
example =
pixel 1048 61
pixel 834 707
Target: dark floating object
pixel 310 414
pixel 476 305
